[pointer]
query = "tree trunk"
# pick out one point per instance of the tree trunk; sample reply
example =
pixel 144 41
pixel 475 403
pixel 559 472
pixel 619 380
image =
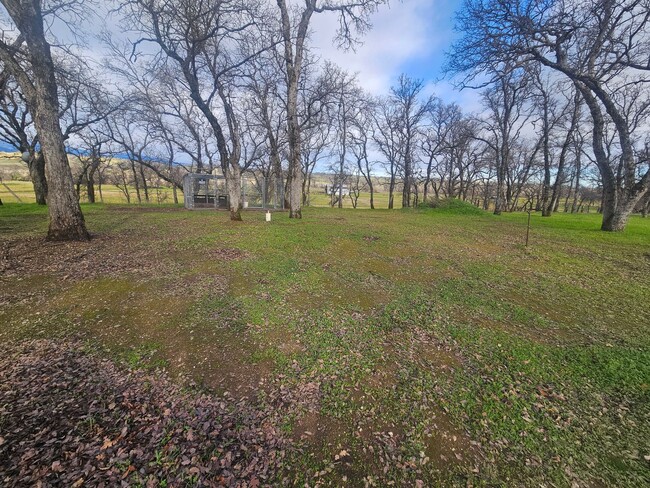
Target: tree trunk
pixel 486 196
pixel 293 68
pixel 90 183
pixel 615 217
pixel 36 166
pixel 576 189
pixel 618 200
pixel 233 185
pixel 144 184
pixel 546 186
pixel 295 162
pixel 406 189
pixel 499 201
pixel 391 186
pixel 78 185
pixel 135 181
pixel 66 220
pixel 645 209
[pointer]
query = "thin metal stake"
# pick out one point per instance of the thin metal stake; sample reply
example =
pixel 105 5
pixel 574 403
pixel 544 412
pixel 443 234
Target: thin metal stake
pixel 528 228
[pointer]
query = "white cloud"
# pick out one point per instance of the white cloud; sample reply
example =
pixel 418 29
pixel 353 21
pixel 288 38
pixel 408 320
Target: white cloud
pixel 406 32
pixel 468 99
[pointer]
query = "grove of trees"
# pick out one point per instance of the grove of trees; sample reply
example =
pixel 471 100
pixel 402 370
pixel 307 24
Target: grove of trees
pixel 598 48
pixel 233 85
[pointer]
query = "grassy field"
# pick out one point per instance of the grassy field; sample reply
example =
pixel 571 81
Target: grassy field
pixel 15 176
pixel 112 194
pixel 435 349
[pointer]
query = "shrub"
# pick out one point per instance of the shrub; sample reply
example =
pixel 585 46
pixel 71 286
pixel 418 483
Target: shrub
pixel 452 205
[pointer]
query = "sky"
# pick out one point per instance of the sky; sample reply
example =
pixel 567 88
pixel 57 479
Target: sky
pixel 408 36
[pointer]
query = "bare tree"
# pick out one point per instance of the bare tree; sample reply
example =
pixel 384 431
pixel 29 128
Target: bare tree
pixel 158 96
pixel 17 130
pixel 28 58
pixel 82 103
pixel 347 100
pixel 410 111
pixel 208 41
pixel 558 116
pixel 546 107
pixel 388 140
pixel 440 121
pixel 93 145
pixel 566 143
pixel 267 112
pixel 135 137
pixel 507 114
pixel 360 143
pixel 602 47
pixel 120 179
pixel 294 28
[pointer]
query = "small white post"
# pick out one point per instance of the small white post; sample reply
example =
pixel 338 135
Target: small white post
pixel 268 216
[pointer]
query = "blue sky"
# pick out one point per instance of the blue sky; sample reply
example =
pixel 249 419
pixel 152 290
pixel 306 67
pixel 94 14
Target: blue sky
pixel 408 36
pixel 411 36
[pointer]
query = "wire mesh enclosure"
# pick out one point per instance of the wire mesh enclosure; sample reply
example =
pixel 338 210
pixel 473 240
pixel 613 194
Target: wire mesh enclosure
pixel 210 191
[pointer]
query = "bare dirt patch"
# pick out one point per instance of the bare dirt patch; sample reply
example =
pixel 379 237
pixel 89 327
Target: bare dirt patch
pixel 227 254
pixel 321 431
pixel 103 256
pixel 447 444
pixel 193 286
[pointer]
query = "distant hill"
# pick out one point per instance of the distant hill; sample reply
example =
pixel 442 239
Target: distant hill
pixel 12 167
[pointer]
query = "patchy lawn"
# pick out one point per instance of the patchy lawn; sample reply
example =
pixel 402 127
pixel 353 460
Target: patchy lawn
pixel 383 348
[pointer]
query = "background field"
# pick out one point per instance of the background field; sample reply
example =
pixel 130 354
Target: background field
pixel 14 174
pixel 432 345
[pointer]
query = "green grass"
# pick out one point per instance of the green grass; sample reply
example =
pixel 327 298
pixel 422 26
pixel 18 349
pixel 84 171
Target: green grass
pixel 429 332
pixel 110 194
pixel 113 194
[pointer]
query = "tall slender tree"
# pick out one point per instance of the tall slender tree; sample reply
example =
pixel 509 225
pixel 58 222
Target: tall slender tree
pixel 28 58
pixel 354 18
pixel 411 113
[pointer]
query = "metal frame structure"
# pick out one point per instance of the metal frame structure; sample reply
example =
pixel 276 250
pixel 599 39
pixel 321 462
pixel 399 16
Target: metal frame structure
pixel 209 191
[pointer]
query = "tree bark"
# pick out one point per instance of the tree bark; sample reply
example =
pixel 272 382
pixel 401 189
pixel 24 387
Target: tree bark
pixel 135 181
pixel 618 202
pixel 293 60
pixel 36 166
pixel 576 189
pixel 66 219
pixel 233 185
pixel 645 209
pixel 90 182
pixel 295 149
pixel 546 186
pixel 144 183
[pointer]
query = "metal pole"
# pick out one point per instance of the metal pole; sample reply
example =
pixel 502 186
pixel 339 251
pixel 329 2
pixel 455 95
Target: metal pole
pixel 528 226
